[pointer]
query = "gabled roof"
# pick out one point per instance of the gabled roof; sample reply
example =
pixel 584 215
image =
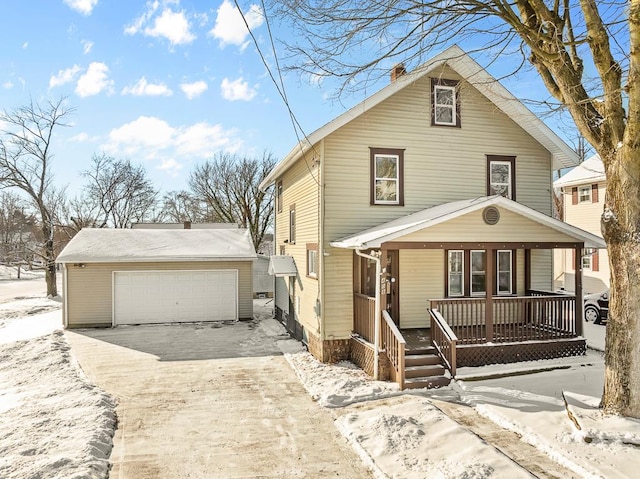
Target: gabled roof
pixel 102 245
pixel 589 171
pixel 374 237
pixel 459 61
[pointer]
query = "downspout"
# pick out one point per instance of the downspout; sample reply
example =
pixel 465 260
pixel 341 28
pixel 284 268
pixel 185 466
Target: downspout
pixel 376 326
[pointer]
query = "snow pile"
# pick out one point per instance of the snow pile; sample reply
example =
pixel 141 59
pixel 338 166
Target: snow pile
pixel 605 447
pixel 23 318
pixel 11 272
pixel 340 384
pixel 413 439
pixel 54 423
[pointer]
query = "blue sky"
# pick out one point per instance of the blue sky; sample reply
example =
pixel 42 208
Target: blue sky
pixel 164 83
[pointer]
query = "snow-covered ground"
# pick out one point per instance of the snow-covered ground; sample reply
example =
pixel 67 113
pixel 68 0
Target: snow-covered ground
pixel 55 424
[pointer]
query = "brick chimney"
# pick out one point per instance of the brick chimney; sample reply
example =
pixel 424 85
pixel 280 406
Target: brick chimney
pixel 187 225
pixel 397 71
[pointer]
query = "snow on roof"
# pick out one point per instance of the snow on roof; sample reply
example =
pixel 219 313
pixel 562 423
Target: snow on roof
pixel 459 61
pixel 589 171
pixel 101 245
pixel 374 237
pixel 282 265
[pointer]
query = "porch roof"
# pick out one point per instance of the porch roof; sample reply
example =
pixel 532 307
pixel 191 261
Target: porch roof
pixel 392 230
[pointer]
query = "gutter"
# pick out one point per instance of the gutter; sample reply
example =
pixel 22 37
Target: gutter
pixel 376 328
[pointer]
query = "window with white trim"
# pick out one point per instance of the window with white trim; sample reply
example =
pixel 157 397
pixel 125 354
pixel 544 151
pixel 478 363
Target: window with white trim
pixel 292 224
pixel 504 273
pixel 586 261
pixel 456 273
pixel 500 178
pixel 584 194
pixel 387 179
pixel 312 261
pixel 478 282
pixel 444 105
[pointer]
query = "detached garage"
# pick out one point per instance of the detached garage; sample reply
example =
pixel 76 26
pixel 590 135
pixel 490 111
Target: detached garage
pixel 143 276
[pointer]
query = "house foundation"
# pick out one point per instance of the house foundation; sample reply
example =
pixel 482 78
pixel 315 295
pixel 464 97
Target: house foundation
pixel 329 350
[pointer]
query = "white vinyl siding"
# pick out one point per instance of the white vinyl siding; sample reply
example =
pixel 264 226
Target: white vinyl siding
pixel 471 227
pixel 404 122
pixel 585 215
pixel 300 188
pixel 422 279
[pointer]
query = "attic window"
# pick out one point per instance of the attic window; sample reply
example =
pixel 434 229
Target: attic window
pixel 445 103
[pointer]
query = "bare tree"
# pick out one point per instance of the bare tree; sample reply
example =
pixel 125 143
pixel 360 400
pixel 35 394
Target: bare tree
pixel 228 186
pixel 180 206
pixel 118 192
pixel 563 40
pixel 15 228
pixel 25 163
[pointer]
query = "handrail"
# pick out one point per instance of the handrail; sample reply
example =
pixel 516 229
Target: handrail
pixel 364 316
pixel 394 345
pixel 444 340
pixel 513 318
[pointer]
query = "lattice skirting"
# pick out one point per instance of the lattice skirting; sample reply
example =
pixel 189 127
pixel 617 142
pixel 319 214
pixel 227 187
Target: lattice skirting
pixel 363 355
pixel 481 355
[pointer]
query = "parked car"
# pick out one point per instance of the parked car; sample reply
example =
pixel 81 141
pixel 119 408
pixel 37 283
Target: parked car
pixel 596 307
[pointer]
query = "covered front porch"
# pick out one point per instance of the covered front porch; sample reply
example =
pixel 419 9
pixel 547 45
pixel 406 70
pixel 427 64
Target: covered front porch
pixel 480 301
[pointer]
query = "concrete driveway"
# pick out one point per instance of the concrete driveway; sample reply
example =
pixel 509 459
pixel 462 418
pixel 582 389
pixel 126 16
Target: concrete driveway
pixel 211 401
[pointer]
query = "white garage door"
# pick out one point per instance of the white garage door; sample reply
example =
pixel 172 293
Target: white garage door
pixel 175 296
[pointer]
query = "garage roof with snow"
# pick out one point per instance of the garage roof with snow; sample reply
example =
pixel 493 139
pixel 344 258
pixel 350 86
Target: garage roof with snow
pixel 102 245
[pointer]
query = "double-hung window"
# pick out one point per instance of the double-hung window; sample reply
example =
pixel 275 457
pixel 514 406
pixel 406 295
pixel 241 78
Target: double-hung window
pixel 312 260
pixel 478 273
pixel 292 224
pixel 504 272
pixel 501 176
pixel 466 273
pixel 456 273
pixel 387 169
pixel 584 194
pixel 445 104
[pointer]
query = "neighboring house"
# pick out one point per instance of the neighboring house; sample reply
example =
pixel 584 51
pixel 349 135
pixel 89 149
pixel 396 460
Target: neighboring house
pixel 428 205
pixel 583 193
pixel 136 276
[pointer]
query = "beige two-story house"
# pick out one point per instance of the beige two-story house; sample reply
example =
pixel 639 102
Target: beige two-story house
pixel 425 212
pixel 583 193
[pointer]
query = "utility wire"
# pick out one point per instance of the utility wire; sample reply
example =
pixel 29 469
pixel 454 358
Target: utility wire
pixel 279 87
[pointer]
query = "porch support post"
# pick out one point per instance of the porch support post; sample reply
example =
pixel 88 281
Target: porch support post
pixel 527 271
pixel 579 298
pixel 488 307
pixel 384 277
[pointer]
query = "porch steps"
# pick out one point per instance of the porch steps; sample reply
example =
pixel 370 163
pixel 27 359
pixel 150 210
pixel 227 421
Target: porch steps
pixel 423 369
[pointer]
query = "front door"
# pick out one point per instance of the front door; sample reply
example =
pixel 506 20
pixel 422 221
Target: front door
pixel 393 286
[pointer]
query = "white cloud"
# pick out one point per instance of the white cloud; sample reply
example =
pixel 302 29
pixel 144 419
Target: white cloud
pixel 84 7
pixel 144 88
pixel 230 28
pixel 170 166
pixel 64 76
pixel 84 138
pixel 173 26
pixel 8 85
pixel 139 22
pixel 237 90
pixel 152 138
pixel 95 80
pixel 87 45
pixel 195 89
